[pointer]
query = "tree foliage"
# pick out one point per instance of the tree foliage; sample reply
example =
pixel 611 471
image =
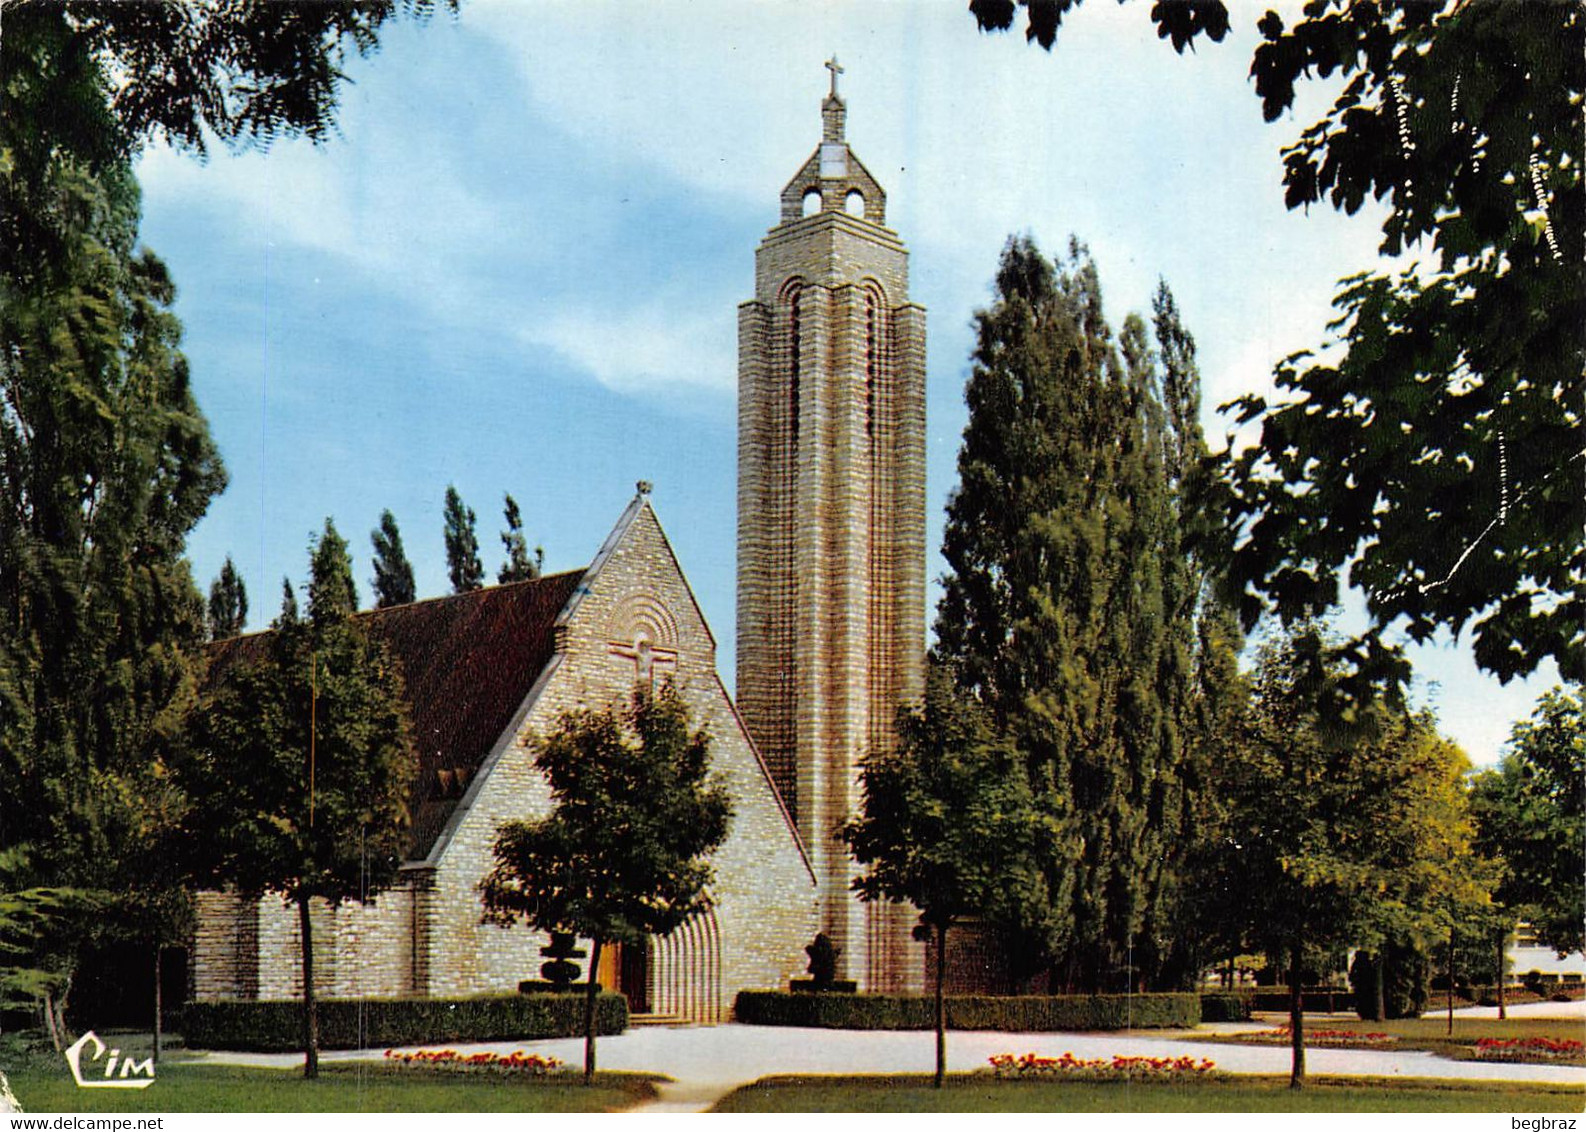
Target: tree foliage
pixel 1453 398
pixel 393 573
pixel 462 545
pixel 623 854
pixel 1070 609
pixel 301 766
pixel 1531 812
pixel 1344 823
pixel 1177 20
pixel 106 462
pixel 519 566
pixel 105 465
pixel 228 603
pixel 948 823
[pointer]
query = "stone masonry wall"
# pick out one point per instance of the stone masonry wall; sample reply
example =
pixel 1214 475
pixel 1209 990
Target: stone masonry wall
pixel 763 892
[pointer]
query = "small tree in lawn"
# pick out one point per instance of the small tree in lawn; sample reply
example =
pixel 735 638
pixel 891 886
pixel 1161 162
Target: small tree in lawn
pixel 623 853
pixel 950 825
pixel 301 765
pixel 1346 823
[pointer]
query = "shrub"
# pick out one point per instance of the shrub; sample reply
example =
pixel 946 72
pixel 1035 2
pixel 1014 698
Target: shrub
pixel 1405 987
pixel 1025 1013
pixel 1225 1008
pixel 347 1023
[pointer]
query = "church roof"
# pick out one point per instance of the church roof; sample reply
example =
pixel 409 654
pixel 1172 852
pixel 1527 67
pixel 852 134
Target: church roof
pixel 468 662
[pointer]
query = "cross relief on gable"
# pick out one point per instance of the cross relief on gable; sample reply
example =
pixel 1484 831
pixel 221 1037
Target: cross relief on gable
pixel 652 663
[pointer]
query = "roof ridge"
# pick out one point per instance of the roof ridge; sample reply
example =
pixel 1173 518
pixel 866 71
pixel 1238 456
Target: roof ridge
pixel 470 593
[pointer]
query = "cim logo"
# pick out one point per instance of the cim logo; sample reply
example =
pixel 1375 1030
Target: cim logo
pixel 133 1075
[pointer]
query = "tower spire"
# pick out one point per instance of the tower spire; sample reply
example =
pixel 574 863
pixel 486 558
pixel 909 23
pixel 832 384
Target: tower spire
pixel 833 110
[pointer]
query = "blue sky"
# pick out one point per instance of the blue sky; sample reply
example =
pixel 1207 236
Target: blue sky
pixel 517 267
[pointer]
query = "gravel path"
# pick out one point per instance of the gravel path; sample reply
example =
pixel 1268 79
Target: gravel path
pixel 707 1062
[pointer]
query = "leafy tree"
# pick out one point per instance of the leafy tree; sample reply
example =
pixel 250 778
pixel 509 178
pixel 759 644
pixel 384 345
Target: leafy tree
pixel 1454 396
pixel 462 545
pixel 641 771
pixel 105 460
pixel 1337 811
pixel 1531 812
pixel 31 920
pixel 1070 609
pixel 393 573
pixel 105 465
pixel 302 764
pixel 518 567
pixel 228 603
pixel 949 824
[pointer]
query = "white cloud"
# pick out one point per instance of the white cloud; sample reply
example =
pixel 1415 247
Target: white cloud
pixel 644 349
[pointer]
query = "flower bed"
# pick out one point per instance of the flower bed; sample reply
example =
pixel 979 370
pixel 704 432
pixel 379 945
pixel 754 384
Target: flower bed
pixel 1529 1049
pixel 530 1064
pixel 1322 1039
pixel 1028 1066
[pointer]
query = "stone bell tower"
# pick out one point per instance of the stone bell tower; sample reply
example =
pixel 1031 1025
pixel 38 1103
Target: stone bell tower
pixel 831 519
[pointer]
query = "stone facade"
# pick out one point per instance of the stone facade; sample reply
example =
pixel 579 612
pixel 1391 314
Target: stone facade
pixel 630 617
pixel 831 520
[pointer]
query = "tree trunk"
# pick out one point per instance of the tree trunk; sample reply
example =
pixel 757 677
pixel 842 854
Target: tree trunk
pixel 1380 982
pixel 158 1005
pixel 591 988
pixel 941 1005
pixel 1503 962
pixel 1450 974
pixel 1296 1019
pixel 49 1023
pixel 310 1003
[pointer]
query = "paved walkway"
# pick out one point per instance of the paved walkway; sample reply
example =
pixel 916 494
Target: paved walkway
pixel 707 1062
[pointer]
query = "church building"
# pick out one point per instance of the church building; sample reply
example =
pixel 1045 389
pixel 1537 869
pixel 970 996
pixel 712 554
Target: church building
pixel 486 673
pixel 831 605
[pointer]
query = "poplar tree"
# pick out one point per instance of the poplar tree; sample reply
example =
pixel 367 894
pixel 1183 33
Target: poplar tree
pixel 1070 609
pixel 518 567
pixel 462 545
pixel 228 603
pixel 106 462
pixel 393 573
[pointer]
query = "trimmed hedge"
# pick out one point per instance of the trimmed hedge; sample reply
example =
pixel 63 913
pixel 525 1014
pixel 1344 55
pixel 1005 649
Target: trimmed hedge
pixel 1320 1000
pixel 1225 1007
pixel 1032 1013
pixel 349 1023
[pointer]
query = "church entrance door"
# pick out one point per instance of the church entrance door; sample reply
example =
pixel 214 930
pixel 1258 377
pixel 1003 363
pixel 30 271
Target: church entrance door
pixel 634 977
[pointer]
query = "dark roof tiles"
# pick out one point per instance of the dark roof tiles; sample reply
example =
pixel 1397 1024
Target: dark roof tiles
pixel 468 661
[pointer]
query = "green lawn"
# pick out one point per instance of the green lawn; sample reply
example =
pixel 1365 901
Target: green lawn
pixel 971 1093
pixel 187 1087
pixel 1431 1033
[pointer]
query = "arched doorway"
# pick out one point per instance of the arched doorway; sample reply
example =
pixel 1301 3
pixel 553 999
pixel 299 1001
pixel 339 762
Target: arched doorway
pixel 685 974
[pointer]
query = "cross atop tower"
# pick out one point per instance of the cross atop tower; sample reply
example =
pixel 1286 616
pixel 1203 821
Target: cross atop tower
pixel 832 109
